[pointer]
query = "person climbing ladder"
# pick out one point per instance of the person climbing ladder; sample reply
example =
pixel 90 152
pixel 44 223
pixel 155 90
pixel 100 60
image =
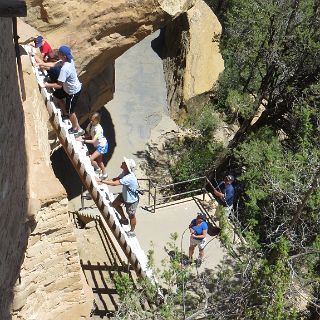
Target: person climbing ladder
pixel 67 87
pixel 129 196
pixel 98 140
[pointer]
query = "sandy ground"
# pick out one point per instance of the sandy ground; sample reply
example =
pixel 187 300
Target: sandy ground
pixel 155 229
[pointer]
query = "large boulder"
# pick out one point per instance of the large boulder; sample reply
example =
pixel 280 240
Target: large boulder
pixel 99 32
pixel 192 60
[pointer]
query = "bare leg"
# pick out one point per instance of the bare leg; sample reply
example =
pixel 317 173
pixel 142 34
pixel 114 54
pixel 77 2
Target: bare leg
pixel 117 205
pixel 74 121
pixel 201 253
pixel 133 222
pixel 96 158
pixel 191 251
pixel 102 166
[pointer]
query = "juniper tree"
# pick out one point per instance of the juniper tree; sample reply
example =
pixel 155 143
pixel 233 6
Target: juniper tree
pixel 271 51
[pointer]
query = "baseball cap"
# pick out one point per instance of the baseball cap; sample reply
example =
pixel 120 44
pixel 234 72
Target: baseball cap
pixel 66 51
pixel 38 41
pixel 201 215
pixel 130 164
pixel 229 178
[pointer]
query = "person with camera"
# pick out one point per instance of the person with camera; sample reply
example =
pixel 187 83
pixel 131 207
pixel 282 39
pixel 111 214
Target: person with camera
pixel 198 232
pixel 224 193
pixel 130 193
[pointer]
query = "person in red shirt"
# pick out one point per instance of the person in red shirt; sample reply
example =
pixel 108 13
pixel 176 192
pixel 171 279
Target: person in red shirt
pixel 45 50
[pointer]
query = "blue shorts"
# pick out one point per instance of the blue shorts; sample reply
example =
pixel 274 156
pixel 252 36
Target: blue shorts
pixel 103 150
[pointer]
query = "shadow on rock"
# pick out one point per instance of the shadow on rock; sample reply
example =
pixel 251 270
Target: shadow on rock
pixel 65 172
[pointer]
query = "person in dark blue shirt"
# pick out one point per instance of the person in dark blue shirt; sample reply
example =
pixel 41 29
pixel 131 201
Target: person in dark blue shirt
pixel 225 191
pixel 198 230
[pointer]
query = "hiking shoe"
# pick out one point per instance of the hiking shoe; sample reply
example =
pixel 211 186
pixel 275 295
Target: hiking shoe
pixel 79 133
pixel 72 131
pixel 87 196
pixel 185 261
pixel 103 176
pixel 124 221
pixel 130 234
pixel 198 262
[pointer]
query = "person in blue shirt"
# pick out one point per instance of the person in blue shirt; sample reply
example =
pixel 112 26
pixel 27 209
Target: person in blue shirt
pixel 129 196
pixel 198 232
pixel 225 192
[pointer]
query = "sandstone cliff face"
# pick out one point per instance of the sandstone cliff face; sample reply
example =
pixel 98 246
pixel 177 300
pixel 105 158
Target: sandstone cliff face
pixel 98 32
pixel 33 214
pixel 14 227
pixel 192 60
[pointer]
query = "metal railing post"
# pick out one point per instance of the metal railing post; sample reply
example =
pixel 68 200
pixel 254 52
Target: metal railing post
pixel 155 199
pixel 149 196
pixel 82 198
pixel 204 188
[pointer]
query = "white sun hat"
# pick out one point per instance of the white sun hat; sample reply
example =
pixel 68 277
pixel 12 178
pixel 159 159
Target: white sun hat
pixel 131 164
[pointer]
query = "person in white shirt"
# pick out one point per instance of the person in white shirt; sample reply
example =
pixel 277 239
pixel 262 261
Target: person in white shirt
pixel 96 137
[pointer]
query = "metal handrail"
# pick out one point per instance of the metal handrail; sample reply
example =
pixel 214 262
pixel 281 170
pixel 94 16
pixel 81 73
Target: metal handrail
pixel 156 188
pixel 181 194
pixel 180 182
pixel 209 183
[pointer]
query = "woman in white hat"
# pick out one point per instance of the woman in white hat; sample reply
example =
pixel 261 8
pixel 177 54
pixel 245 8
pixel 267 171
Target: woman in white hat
pixel 129 196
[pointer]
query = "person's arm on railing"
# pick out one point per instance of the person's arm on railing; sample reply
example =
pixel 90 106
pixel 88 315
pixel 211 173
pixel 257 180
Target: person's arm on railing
pixel 87 140
pixel 112 182
pixel 55 85
pixel 45 65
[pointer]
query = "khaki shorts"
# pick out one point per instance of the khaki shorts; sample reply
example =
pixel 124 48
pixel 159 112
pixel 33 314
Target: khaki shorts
pixel 201 243
pixel 131 208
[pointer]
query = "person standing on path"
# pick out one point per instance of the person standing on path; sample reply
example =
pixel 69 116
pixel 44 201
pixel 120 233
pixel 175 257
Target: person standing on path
pixel 129 196
pixel 67 87
pixel 98 140
pixel 198 232
pixel 225 193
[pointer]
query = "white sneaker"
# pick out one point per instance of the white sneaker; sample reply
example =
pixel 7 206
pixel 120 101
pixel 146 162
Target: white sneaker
pixel 97 172
pixel 130 234
pixel 78 133
pixel 103 176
